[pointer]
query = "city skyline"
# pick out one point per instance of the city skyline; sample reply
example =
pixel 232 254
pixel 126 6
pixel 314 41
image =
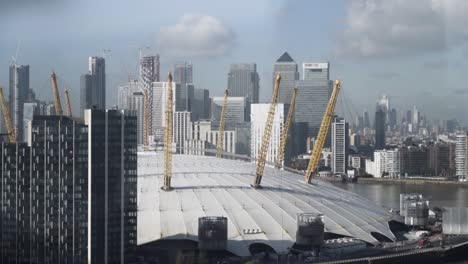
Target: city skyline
pixel 416 70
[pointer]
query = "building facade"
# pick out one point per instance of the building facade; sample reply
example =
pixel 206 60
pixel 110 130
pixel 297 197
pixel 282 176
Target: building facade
pixel 112 185
pixel 461 155
pixel 157 100
pixel 288 69
pixel 19 89
pixel 93 85
pixel 380 129
pixel 131 97
pixel 258 117
pixel 235 111
pixel 340 144
pixel 243 81
pixel 201 108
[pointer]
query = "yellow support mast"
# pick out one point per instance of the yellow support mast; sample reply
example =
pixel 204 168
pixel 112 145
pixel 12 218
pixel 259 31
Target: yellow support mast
pixel 67 103
pixel 318 146
pixel 220 143
pixel 262 154
pixel 57 103
pixel 6 116
pixel 168 137
pixel 287 125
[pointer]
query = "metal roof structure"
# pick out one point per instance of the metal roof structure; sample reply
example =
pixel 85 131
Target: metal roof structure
pixel 209 186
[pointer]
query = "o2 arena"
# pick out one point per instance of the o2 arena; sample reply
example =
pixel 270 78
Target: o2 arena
pixel 267 216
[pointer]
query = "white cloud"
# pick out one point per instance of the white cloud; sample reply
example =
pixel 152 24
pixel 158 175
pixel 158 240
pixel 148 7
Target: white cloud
pixel 196 35
pixel 402 27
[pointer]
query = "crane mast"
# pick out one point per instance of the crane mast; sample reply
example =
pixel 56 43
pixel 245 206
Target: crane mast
pixel 262 154
pixel 220 143
pixel 168 137
pixel 67 103
pixel 318 146
pixel 57 103
pixel 284 137
pixel 6 116
pixel 145 119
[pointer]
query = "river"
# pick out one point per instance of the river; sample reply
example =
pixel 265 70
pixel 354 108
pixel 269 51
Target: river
pixel 388 195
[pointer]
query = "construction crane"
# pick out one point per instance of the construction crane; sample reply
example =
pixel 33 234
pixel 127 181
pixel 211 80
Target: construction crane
pixel 220 143
pixel 145 119
pixel 67 103
pixel 320 141
pixel 284 137
pixel 57 103
pixel 168 137
pixel 6 116
pixel 262 154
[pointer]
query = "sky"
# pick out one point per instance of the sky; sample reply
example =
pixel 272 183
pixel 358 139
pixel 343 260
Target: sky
pixel 415 52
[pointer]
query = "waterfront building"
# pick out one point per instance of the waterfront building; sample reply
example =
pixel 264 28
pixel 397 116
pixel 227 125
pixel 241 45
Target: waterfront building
pixel 414 161
pixel 461 155
pixel 340 144
pixel 386 163
pixel 19 89
pixel 288 69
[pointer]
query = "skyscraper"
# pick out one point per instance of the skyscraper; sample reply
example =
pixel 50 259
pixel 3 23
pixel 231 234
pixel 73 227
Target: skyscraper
pixel 243 81
pixel 461 155
pixel 183 73
pixel 316 71
pixel 130 97
pixel 93 85
pixel 112 185
pixel 182 129
pixel 288 69
pixel 366 119
pixel 19 89
pixel 59 188
pixel 379 129
pixel 201 108
pixel 339 143
pixel 149 70
pixel 156 112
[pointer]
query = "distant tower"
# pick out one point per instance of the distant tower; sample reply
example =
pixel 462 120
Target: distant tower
pixel 340 143
pixel 183 76
pixel 93 85
pixel 461 155
pixel 19 89
pixel 379 129
pixel 288 69
pixel 243 81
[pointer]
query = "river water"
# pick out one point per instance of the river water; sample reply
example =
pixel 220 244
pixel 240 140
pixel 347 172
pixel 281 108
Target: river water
pixel 388 195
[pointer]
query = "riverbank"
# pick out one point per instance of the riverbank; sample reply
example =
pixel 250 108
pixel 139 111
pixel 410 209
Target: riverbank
pixel 418 181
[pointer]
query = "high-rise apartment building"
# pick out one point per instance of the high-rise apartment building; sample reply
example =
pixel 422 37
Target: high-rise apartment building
pixel 59 188
pixel 258 117
pixel 386 163
pixel 340 144
pixel 130 97
pixel 93 85
pixel 15 201
pixel 235 110
pixel 112 185
pixel 19 90
pixel 461 155
pixel 182 129
pixel 288 69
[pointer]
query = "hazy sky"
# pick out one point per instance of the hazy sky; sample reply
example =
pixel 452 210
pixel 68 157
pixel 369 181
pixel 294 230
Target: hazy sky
pixel 416 52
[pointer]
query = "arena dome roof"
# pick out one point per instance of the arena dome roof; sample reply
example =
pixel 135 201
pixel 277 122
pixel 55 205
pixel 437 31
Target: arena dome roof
pixel 210 186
